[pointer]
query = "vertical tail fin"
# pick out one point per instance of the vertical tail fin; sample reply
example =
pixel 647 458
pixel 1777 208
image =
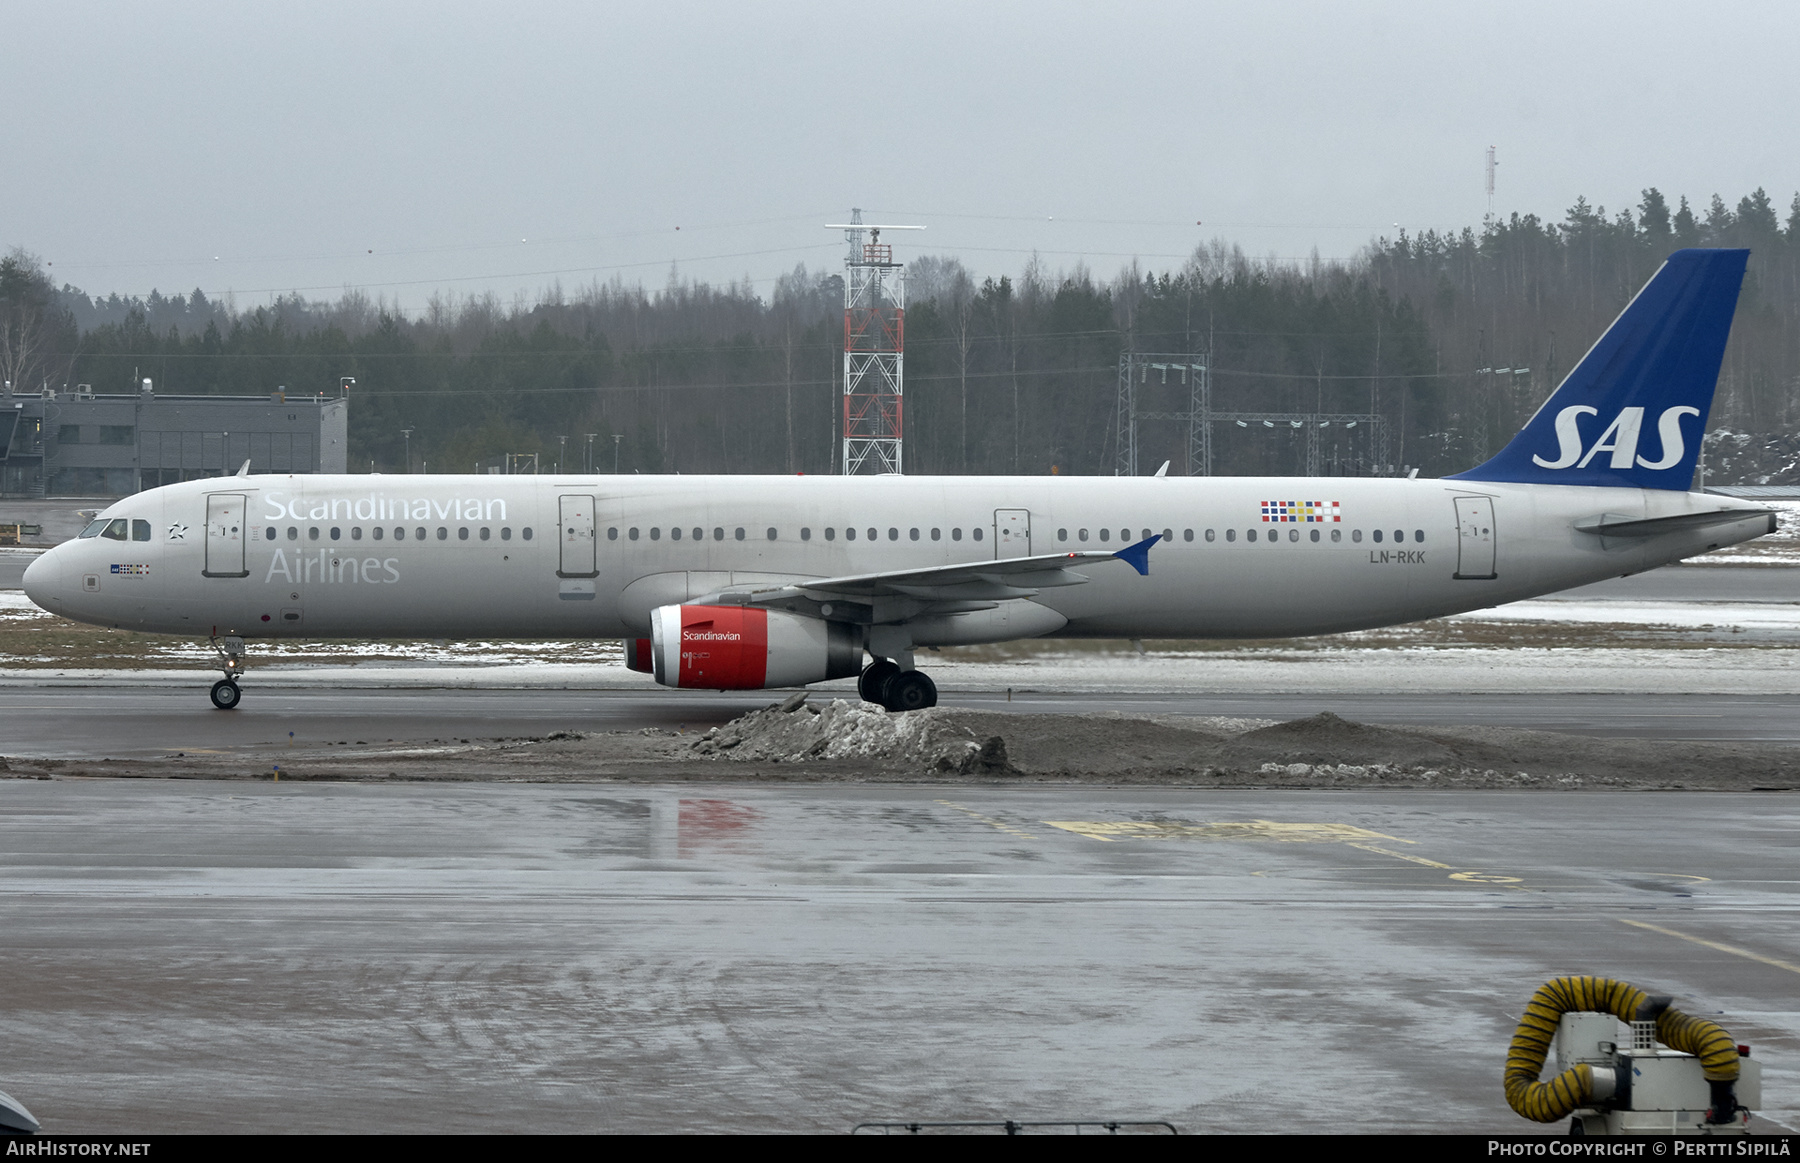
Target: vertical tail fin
pixel 1632 412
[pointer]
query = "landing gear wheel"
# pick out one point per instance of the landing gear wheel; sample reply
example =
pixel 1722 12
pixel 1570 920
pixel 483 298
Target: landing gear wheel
pixel 225 694
pixel 911 691
pixel 872 686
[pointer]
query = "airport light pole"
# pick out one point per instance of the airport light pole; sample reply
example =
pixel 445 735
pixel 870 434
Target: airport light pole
pixel 588 462
pixel 406 435
pixel 616 439
pixel 562 446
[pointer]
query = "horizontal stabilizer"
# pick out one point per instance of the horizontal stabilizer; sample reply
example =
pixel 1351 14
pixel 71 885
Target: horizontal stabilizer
pixel 1611 526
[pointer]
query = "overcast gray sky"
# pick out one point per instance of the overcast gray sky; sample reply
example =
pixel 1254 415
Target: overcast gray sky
pixel 460 147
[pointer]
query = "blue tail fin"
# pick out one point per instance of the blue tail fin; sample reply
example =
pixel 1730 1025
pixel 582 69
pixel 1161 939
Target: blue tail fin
pixel 1632 412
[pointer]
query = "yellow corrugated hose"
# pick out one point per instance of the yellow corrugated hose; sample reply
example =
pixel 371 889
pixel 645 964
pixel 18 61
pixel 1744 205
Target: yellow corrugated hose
pixel 1548 1101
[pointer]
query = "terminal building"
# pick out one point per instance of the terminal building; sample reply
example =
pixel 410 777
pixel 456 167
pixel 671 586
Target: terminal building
pixel 76 443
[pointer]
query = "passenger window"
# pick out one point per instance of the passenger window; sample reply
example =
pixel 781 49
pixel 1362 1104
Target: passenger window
pixel 830 533
pixel 874 534
pixel 1209 534
pixel 1106 534
pixel 1376 534
pixel 632 533
pixel 740 533
pixel 699 535
pixel 913 534
pixel 771 533
pixel 1293 534
pixel 376 532
pixel 1187 534
pixel 312 532
pixel 269 533
pixel 399 533
pixel 1249 535
pixel 336 533
pixel 893 534
pixel 443 533
pixel 718 533
pixel 975 533
pixel 1125 534
pixel 674 533
pixel 1418 534
pixel 1356 535
pixel 526 533
pixel 115 530
pixel 356 532
pixel 1315 534
pixel 1081 534
pixel 612 534
pixel 1169 534
pixel 655 533
pixel 1230 534
pixel 937 534
pixel 419 533
pixel 1062 534
pixel 956 534
pixel 1147 535
pixel 1337 534
pixel 293 533
pixel 486 533
pixel 462 533
pixel 805 533
pixel 849 533
pixel 1399 535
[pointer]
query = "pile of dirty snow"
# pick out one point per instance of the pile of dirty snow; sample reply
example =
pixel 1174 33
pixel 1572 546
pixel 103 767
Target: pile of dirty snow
pixel 794 731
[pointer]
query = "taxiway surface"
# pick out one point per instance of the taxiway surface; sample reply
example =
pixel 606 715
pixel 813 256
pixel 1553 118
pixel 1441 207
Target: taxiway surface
pixel 137 722
pixel 265 957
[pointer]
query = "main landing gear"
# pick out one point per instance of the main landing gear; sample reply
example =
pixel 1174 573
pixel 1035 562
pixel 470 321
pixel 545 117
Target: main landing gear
pixel 225 692
pixel 885 683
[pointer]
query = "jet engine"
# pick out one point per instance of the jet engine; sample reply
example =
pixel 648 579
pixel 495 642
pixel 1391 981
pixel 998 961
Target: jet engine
pixel 745 648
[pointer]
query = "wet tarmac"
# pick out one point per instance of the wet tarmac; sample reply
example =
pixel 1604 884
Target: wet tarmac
pixel 264 957
pixel 138 721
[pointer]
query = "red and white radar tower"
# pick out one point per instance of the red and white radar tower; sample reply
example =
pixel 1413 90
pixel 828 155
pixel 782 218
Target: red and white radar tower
pixel 874 349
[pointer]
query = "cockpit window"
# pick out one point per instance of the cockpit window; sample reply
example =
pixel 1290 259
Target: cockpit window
pixel 140 530
pixel 115 530
pixel 93 529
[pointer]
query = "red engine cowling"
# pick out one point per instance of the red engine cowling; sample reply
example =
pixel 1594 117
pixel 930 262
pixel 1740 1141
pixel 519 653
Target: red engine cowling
pixel 744 648
pixel 637 655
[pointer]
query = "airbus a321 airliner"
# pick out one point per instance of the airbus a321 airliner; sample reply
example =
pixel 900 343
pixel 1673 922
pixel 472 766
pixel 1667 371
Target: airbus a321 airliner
pixel 750 582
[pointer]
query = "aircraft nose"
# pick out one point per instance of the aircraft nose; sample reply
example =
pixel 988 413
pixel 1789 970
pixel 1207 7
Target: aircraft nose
pixel 42 579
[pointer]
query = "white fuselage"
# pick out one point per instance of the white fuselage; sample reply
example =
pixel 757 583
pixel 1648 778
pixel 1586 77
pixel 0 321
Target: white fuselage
pixel 484 556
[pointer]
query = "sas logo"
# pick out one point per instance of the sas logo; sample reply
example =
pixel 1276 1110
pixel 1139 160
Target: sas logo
pixel 1620 439
pixel 134 570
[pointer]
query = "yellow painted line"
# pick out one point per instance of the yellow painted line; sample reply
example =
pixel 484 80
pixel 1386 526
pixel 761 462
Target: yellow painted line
pixel 1219 830
pixel 1402 856
pixel 1485 878
pixel 989 821
pixel 1719 945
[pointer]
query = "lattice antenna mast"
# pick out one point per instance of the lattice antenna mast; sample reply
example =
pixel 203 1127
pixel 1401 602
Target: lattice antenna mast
pixel 874 350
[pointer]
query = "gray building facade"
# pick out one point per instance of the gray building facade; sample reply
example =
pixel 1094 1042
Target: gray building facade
pixel 77 443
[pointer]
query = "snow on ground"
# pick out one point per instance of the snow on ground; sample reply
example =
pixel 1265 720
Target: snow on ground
pixel 1685 615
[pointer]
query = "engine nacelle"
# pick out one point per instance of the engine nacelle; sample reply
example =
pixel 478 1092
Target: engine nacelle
pixel 637 655
pixel 746 648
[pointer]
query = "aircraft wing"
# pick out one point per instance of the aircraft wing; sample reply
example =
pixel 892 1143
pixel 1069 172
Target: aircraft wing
pixel 967 586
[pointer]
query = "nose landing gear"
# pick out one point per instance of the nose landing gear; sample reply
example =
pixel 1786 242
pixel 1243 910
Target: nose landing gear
pixel 225 692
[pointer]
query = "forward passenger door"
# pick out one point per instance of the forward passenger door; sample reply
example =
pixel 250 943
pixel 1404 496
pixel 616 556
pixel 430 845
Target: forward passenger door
pixel 575 533
pixel 1012 533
